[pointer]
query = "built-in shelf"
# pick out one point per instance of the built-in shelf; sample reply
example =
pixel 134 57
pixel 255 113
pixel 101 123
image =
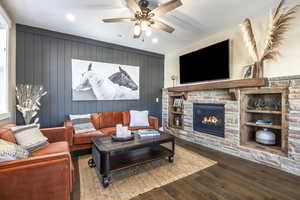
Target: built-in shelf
pixel 270 149
pixel 267 97
pixel 263 125
pixel 177 127
pixel 264 112
pixel 178 113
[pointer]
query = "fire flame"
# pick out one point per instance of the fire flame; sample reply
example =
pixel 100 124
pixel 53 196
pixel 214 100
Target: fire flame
pixel 210 120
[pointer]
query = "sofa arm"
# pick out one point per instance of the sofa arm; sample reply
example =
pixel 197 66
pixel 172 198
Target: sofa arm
pixel 42 177
pixel 70 131
pixel 154 122
pixel 55 134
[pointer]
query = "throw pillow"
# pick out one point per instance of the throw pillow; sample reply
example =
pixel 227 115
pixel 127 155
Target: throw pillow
pixel 139 118
pixel 10 151
pixel 30 137
pixel 82 123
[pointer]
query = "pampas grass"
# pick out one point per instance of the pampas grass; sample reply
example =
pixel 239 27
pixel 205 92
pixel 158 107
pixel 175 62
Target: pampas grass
pixel 249 39
pixel 279 24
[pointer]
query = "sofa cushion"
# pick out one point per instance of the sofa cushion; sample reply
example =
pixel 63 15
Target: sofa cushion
pixel 82 123
pixel 85 138
pixel 30 137
pixel 11 151
pixel 126 118
pixel 110 119
pixel 139 118
pixel 7 134
pixel 108 131
pixel 56 147
pixel 96 120
pixel 140 127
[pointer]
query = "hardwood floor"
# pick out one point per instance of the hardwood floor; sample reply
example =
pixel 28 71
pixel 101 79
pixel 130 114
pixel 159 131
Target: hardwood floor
pixel 231 179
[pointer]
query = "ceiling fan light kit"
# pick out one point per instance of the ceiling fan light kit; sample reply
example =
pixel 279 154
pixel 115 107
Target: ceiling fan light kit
pixel 137 30
pixel 143 17
pixel 145 25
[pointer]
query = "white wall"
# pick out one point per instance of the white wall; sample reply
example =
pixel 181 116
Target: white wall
pixel 286 65
pixel 11 69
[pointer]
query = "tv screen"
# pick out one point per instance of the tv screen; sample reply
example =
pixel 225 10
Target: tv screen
pixel 210 63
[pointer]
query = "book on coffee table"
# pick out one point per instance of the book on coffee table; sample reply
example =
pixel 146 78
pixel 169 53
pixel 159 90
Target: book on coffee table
pixel 148 133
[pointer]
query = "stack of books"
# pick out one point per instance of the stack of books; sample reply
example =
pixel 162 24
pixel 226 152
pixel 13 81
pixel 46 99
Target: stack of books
pixel 148 133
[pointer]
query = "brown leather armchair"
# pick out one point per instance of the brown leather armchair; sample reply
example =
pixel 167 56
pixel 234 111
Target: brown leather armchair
pixel 47 174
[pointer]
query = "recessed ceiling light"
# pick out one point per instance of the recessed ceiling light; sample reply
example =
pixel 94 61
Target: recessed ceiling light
pixel 155 40
pixel 70 17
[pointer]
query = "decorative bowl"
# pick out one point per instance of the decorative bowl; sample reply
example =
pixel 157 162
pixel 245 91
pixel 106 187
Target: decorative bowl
pixel 263 122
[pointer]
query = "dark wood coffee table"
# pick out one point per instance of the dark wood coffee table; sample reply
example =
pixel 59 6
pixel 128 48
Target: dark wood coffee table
pixel 109 156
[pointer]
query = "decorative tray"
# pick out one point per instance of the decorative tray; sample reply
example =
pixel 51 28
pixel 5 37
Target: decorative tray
pixel 122 139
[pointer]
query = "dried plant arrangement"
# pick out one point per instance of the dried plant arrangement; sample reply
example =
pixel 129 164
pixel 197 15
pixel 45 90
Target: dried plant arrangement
pixel 249 39
pixel 279 24
pixel 28 101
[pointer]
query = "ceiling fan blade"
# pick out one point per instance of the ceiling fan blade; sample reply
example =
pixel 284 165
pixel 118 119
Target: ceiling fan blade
pixel 133 6
pixel 113 20
pixel 166 7
pixel 162 26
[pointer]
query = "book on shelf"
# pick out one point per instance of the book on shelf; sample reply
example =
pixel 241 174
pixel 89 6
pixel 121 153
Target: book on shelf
pixel 178 102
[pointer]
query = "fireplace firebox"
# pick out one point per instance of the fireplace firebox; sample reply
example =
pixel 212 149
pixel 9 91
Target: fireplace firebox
pixel 209 118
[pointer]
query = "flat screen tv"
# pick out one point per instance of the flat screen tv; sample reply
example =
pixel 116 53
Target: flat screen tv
pixel 210 63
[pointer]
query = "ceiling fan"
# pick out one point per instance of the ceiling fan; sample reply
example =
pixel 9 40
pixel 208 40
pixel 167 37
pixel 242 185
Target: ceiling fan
pixel 143 16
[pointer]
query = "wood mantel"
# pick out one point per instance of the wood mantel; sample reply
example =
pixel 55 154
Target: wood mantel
pixel 220 85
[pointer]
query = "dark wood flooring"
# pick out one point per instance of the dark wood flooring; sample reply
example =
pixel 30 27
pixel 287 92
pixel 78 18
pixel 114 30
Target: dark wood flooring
pixel 231 179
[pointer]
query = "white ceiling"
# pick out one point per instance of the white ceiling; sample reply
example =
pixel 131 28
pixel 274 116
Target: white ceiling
pixel 192 21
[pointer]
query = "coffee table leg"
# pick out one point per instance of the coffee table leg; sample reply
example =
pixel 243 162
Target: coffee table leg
pixel 171 157
pixel 105 181
pixel 106 177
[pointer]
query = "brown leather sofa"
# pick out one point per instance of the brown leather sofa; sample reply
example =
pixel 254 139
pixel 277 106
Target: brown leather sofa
pixel 47 174
pixel 104 124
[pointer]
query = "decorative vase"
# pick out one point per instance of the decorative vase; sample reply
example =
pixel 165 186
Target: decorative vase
pixel 177 121
pixel 259 69
pixel 28 101
pixel 265 137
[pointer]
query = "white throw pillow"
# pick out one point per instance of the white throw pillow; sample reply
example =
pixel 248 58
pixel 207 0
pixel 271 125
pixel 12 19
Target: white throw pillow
pixel 139 118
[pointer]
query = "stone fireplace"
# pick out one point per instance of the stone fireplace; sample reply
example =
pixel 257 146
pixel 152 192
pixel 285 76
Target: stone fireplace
pixel 209 118
pixel 231 141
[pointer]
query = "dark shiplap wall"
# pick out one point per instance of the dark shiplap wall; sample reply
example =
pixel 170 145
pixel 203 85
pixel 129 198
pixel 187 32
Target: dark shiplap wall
pixel 44 57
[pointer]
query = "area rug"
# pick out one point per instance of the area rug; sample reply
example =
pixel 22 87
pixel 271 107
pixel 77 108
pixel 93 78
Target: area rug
pixel 131 182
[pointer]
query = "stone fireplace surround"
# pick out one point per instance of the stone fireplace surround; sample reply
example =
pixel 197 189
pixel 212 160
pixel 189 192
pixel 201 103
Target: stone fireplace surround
pixel 231 143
